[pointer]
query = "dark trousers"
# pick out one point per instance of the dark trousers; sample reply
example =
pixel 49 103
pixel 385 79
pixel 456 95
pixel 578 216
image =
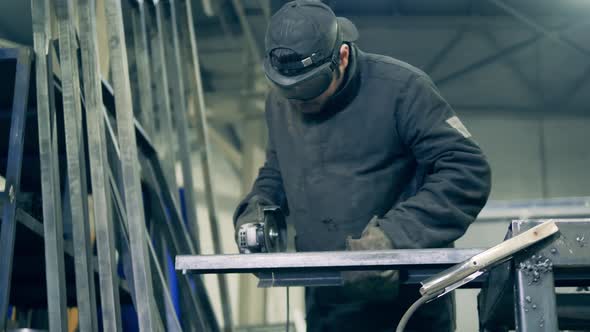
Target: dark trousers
pixel 332 309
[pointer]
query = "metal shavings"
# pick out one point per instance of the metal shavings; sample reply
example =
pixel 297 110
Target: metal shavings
pixel 580 239
pixel 536 267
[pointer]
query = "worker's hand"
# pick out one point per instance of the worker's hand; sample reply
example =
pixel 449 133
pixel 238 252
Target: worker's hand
pixel 253 213
pixel 373 285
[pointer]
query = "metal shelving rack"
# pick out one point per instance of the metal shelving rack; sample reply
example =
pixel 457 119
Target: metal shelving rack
pixel 110 155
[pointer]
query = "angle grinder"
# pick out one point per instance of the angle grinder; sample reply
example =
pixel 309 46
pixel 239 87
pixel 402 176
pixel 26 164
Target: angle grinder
pixel 268 234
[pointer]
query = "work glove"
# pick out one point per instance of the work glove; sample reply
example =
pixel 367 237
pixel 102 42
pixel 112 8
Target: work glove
pixel 252 213
pixel 371 285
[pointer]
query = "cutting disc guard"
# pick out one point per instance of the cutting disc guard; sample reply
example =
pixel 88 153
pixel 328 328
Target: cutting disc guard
pixel 275 229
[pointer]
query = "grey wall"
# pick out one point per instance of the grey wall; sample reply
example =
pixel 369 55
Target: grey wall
pixel 534 77
pixel 536 140
pixel 532 156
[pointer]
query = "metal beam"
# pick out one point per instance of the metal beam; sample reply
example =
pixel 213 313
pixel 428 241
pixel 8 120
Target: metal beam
pixel 503 53
pixel 247 29
pixel 254 301
pixel 225 27
pixel 174 323
pixel 323 261
pixel 563 101
pixel 142 276
pixel 488 60
pixel 188 309
pixel 570 207
pixel 534 293
pixel 13 170
pixel 127 259
pixel 174 232
pixel 167 151
pixel 171 212
pixel 444 52
pixel 529 84
pixel 142 61
pixel 36 227
pixel 33 225
pixel 202 130
pixel 229 150
pixel 75 153
pixel 52 229
pixel 537 27
pixel 265 6
pixel 179 108
pixel 105 233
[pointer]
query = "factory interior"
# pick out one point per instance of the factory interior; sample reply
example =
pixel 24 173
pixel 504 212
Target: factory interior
pixel 163 168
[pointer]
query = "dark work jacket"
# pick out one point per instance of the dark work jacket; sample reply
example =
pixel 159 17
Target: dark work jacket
pixel 387 144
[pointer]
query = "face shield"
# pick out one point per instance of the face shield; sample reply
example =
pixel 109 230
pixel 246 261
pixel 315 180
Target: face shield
pixel 306 86
pixel 315 75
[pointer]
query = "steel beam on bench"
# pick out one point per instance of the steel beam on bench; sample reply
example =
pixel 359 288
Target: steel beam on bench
pixel 323 261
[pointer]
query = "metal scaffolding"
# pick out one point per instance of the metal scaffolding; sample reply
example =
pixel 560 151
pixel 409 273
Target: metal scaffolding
pixel 135 212
pixel 13 169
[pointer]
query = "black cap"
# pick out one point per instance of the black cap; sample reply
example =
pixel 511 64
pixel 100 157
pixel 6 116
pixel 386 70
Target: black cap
pixel 308 27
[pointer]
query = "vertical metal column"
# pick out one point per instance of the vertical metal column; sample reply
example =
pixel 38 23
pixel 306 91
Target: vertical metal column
pixel 179 114
pixel 190 313
pixel 125 248
pixel 85 290
pixel 160 251
pixel 534 289
pixel 190 305
pixel 172 319
pixel 168 156
pixel 105 237
pixel 130 167
pixel 256 299
pixel 49 162
pixel 205 162
pixel 13 170
pixel 142 62
pixel 247 30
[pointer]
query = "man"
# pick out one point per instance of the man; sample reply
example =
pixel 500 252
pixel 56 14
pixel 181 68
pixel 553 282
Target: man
pixel 363 153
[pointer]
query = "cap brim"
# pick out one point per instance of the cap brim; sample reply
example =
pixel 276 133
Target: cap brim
pixel 289 81
pixel 305 86
pixel 349 30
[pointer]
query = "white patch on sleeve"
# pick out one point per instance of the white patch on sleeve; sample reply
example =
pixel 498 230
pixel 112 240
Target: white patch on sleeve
pixel 457 124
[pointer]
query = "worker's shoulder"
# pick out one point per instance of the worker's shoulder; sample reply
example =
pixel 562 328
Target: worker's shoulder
pixel 384 67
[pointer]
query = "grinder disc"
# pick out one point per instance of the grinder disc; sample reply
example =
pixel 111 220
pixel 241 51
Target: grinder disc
pixel 275 229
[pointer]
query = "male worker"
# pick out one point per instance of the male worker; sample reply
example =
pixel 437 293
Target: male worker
pixel 363 153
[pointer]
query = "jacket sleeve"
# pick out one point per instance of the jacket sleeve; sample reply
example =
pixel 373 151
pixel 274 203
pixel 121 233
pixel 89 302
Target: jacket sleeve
pixel 268 185
pixel 457 181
